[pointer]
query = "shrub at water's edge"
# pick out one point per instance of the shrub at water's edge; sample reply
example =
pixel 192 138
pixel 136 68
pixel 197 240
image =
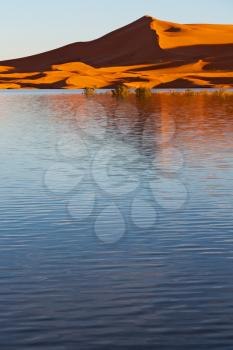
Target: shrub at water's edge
pixel 143 92
pixel 88 91
pixel 120 91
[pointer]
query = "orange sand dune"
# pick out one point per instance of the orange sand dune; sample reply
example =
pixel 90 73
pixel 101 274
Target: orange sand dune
pixel 5 69
pixel 146 53
pixel 173 35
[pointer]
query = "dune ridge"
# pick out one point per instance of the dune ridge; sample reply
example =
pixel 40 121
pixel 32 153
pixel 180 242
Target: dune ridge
pixel 146 53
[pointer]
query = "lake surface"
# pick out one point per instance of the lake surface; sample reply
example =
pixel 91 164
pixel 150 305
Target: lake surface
pixel 116 225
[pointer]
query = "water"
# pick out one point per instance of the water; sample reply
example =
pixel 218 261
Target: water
pixel 116 222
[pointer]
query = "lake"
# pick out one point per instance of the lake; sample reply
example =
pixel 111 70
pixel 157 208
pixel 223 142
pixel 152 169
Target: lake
pixel 116 221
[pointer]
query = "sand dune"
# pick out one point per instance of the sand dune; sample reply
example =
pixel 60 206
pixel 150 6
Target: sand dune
pixel 173 35
pixel 147 52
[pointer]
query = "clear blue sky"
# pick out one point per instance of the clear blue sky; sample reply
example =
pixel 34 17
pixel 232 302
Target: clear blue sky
pixel 32 26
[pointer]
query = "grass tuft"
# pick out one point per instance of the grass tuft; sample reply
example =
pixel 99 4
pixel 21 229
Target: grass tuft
pixel 120 91
pixel 89 91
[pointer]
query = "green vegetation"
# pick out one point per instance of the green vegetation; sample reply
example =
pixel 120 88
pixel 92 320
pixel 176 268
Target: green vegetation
pixel 120 91
pixel 123 91
pixel 89 91
pixel 211 93
pixel 143 92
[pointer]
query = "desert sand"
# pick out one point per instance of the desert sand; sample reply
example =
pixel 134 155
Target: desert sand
pixel 146 53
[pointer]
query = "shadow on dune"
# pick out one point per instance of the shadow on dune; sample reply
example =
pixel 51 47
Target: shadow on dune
pixel 196 52
pixel 169 64
pixel 180 84
pixel 214 80
pixel 56 85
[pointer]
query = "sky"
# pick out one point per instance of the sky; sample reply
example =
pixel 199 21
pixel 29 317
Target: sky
pixel 32 26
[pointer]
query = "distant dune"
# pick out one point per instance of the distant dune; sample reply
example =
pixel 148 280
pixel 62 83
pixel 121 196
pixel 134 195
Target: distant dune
pixel 146 53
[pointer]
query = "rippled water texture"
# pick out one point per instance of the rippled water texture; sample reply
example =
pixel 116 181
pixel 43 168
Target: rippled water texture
pixel 116 222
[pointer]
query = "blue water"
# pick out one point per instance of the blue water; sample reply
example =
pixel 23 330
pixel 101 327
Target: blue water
pixel 116 222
